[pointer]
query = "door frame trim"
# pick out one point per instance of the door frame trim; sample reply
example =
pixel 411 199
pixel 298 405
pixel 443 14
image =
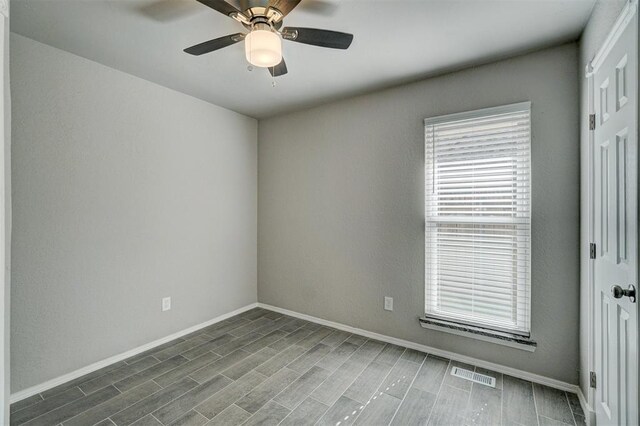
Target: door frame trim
pixel 586 253
pixel 626 15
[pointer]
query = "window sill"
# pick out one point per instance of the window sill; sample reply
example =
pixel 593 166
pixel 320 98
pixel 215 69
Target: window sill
pixel 500 338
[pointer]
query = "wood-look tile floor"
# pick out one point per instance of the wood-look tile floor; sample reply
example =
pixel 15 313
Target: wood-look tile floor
pixel 265 368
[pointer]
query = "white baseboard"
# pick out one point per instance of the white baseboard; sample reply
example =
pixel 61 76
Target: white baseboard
pixel 536 378
pixel 590 415
pixel 49 384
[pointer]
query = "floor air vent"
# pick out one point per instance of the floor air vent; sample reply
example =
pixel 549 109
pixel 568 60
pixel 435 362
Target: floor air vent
pixel 473 377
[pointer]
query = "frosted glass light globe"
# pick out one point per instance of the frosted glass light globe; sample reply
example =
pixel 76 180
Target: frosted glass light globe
pixel 263 48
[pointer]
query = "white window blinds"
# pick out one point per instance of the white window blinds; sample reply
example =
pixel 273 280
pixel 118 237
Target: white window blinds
pixel 478 218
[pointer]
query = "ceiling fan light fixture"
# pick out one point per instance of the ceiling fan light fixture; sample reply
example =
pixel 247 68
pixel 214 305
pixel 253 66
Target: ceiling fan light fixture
pixel 263 44
pixel 263 47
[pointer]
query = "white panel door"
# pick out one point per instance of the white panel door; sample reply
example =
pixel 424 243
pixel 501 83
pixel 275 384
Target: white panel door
pixel 616 231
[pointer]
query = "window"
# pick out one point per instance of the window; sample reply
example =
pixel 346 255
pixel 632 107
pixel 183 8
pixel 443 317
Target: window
pixel 478 218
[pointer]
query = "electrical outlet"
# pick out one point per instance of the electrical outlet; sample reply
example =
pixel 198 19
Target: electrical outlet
pixel 388 303
pixel 166 303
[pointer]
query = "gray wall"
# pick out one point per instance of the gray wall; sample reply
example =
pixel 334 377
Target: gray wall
pixel 124 192
pixel 602 18
pixel 6 286
pixel 340 214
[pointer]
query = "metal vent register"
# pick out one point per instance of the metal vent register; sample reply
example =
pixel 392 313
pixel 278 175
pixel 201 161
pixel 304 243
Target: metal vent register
pixel 473 377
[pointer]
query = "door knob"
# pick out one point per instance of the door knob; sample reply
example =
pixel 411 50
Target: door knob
pixel 630 292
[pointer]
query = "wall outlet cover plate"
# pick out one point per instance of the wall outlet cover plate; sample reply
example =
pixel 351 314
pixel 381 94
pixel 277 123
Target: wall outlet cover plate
pixel 166 303
pixel 388 303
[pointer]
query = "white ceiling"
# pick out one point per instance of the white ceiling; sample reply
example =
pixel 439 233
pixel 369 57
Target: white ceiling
pixel 395 41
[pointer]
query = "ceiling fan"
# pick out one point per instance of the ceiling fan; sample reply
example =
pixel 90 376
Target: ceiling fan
pixel 263 42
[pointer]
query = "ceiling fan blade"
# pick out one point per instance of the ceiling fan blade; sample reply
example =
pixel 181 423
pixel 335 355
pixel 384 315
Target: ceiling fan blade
pixel 278 70
pixel 316 37
pixel 284 6
pixel 215 44
pixel 243 4
pixel 221 6
pixel 322 7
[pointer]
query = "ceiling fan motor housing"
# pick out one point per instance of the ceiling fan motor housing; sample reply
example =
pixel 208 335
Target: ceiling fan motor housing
pixel 252 16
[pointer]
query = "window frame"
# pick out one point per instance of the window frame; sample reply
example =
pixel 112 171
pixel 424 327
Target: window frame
pixel 470 115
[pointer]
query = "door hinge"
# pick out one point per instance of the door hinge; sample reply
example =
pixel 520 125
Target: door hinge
pixel 592 121
pixel 592 250
pixel 592 379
